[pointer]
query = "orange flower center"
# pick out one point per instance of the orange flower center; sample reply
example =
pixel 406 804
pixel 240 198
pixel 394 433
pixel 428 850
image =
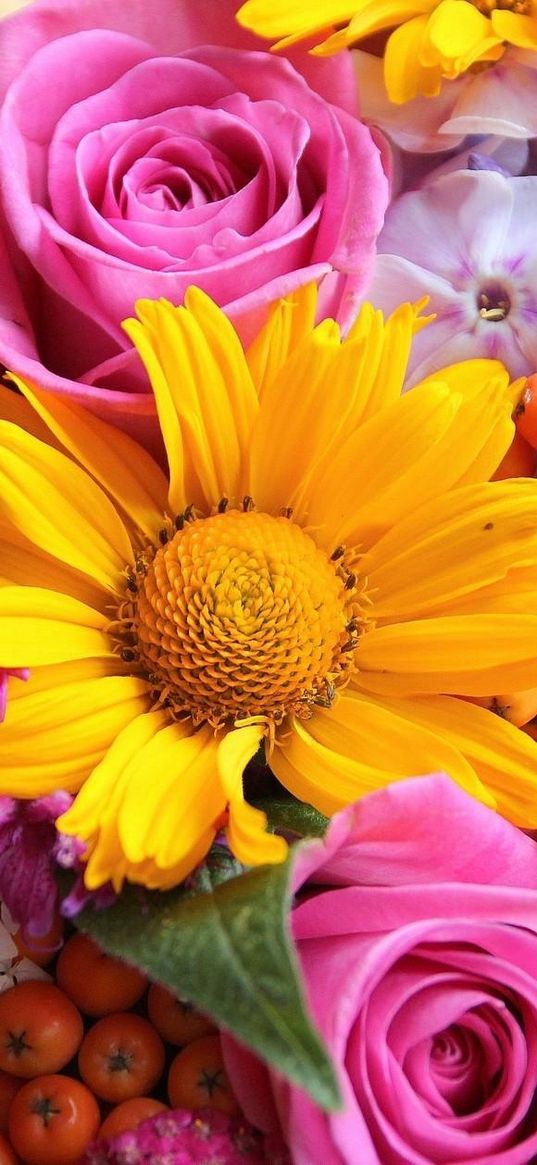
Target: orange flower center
pixel 240 615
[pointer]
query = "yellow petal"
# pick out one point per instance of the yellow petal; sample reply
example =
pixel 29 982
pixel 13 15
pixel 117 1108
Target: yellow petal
pixel 371 482
pixel 309 18
pixel 421 446
pixel 376 15
pixel 59 508
pixel 36 780
pixel 166 823
pixel 22 563
pixel 359 746
pixel 92 817
pixel 404 74
pixel 504 758
pixel 470 376
pixel 385 354
pixel 247 829
pixel 365 372
pixel 17 410
pixel 285 447
pixel 153 337
pixel 470 655
pixel 204 390
pixel 514 595
pixel 41 627
pixel 57 675
pixel 456 25
pixel 515 29
pixel 123 468
pixel 297 20
pixel 370 17
pixel 483 430
pixel 455 545
pixel 459 35
pixel 53 737
pixel 290 320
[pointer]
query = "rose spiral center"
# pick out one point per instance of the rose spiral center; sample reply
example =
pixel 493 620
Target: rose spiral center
pixel 457 1068
pixel 240 614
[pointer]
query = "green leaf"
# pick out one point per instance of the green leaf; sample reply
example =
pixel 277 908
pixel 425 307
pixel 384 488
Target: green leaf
pixel 228 951
pixel 219 866
pixel 288 815
pixel 284 812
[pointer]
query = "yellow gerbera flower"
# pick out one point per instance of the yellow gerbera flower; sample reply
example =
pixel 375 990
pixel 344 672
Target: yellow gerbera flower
pixel 427 40
pixel 327 568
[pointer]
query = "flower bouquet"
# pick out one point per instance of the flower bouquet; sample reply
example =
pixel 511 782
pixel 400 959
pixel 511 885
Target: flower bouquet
pixel 268 567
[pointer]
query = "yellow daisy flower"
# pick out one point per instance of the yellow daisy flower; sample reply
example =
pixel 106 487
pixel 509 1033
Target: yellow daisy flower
pixel 426 40
pixel 327 569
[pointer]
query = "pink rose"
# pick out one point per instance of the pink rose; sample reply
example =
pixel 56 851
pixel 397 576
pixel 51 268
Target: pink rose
pixel 135 160
pixel 419 957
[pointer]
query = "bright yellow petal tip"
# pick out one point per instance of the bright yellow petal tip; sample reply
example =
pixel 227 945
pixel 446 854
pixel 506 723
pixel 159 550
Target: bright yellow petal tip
pixel 426 41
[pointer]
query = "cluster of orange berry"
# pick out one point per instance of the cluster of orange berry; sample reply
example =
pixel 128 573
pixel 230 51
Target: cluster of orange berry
pixel 96 1052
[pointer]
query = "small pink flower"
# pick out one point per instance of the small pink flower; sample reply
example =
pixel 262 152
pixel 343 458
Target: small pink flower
pixel 27 840
pixel 68 853
pixel 31 849
pixel 182 1137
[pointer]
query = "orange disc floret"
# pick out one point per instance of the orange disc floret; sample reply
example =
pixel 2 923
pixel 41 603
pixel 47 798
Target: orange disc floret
pixel 240 614
pixel 198 1078
pixel 98 983
pixel 121 1056
pixel 40 1029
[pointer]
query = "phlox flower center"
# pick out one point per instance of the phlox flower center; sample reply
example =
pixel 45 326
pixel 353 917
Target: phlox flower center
pixel 240 615
pixel 494 303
